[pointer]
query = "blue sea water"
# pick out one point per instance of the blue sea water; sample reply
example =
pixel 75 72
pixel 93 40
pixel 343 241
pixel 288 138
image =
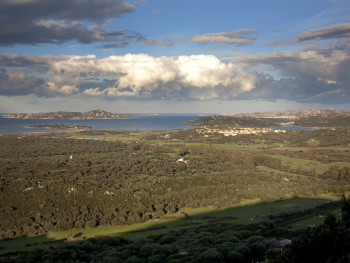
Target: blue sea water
pixel 291 127
pixel 142 122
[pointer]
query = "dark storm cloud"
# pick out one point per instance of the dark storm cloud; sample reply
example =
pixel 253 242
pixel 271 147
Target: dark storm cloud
pixel 22 62
pixel 53 32
pixel 94 10
pixel 32 22
pixel 48 21
pixel 14 84
pixel 304 90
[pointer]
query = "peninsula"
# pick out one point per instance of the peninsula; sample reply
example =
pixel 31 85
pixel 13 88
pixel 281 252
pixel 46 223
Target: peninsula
pixel 93 114
pixel 60 127
pixel 322 118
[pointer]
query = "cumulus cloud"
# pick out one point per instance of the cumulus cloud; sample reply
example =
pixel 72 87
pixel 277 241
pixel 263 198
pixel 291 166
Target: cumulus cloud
pixel 317 73
pixel 237 37
pixel 14 84
pixel 143 76
pixel 25 63
pixel 320 61
pixel 53 88
pixel 303 90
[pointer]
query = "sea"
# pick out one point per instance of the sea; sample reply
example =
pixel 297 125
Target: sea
pixel 291 127
pixel 140 122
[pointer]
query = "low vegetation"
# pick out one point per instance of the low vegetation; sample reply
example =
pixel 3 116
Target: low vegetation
pixel 214 242
pixel 54 182
pixel 219 121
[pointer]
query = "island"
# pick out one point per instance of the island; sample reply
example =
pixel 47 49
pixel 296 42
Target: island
pixel 93 114
pixel 60 126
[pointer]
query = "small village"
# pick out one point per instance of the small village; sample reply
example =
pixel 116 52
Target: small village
pixel 205 130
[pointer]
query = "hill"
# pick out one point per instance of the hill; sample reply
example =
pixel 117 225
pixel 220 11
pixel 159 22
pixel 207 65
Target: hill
pixel 293 114
pixel 304 118
pixel 219 121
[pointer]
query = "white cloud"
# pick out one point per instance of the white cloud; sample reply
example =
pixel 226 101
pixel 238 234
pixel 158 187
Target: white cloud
pixel 303 75
pixel 51 87
pixel 94 92
pixel 141 75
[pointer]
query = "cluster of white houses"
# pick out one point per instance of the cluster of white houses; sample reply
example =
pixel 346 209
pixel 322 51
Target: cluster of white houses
pixel 234 132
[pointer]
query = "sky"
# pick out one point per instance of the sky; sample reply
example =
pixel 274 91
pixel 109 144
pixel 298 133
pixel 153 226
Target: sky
pixel 166 56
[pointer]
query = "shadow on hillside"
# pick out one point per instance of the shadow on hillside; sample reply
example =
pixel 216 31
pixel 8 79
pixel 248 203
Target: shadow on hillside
pixel 244 214
pixel 28 243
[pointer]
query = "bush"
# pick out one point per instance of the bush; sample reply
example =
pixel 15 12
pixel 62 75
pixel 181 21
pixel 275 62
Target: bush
pixel 209 256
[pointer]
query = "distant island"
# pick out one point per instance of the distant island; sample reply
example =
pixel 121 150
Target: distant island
pixel 93 114
pixel 60 126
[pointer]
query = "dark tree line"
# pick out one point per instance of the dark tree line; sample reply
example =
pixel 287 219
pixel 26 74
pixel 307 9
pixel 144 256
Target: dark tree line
pixel 216 242
pixel 329 242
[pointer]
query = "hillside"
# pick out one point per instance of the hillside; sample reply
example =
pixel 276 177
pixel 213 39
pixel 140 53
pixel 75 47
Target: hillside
pixel 93 114
pixel 219 121
pixel 169 196
pixel 304 118
pixel 293 114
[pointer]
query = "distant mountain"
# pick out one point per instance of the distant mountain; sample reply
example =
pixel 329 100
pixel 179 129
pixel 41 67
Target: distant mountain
pixel 93 114
pixel 292 114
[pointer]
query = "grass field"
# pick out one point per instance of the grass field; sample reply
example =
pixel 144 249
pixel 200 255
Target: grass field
pixel 123 136
pixel 235 147
pixel 295 163
pixel 313 221
pixel 319 167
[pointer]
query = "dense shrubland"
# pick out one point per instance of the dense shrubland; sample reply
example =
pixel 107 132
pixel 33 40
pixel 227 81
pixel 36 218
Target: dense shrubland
pixel 219 242
pixel 56 183
pixel 319 121
pixel 216 242
pixel 299 138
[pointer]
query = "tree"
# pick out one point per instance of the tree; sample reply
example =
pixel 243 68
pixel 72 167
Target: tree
pixel 345 209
